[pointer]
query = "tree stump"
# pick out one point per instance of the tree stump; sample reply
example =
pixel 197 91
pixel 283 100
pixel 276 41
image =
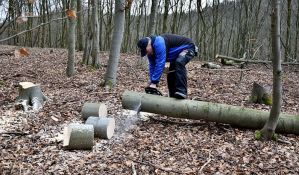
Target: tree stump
pixel 260 94
pixel 94 109
pixel 103 127
pixel 78 136
pixel 31 94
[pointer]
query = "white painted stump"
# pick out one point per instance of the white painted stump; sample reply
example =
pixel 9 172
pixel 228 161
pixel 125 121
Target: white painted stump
pixel 94 109
pixel 103 127
pixel 78 136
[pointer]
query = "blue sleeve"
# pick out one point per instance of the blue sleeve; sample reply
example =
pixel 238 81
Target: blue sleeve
pixel 160 54
pixel 152 64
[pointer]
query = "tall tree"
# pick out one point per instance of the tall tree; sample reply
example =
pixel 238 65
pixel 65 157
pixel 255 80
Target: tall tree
pixel 297 34
pixel 80 33
pixel 70 70
pixel 153 18
pixel 287 42
pixel 118 32
pixel 92 49
pixel 165 15
pixel 268 130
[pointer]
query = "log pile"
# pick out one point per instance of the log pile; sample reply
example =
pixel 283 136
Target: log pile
pixel 81 136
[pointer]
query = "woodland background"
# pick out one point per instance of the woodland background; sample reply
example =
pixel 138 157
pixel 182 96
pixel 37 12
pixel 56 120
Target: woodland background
pixel 230 28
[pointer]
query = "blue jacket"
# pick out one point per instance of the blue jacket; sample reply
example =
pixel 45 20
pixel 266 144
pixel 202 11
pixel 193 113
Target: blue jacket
pixel 166 48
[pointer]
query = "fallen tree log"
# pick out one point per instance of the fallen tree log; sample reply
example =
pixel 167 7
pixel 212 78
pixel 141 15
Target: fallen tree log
pixel 251 61
pixel 197 110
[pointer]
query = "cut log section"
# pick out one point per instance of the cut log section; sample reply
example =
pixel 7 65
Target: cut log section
pixel 94 109
pixel 103 127
pixel 197 110
pixel 78 136
pixel 240 60
pixel 31 94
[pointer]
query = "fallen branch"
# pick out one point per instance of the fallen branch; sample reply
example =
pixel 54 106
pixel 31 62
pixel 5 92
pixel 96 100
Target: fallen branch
pixel 205 164
pixel 15 133
pixel 225 69
pixel 25 31
pixel 133 169
pixel 252 61
pixel 176 122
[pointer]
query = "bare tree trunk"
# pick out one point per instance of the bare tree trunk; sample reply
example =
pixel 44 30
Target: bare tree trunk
pixel 153 18
pixel 190 19
pixel 127 29
pixel 202 38
pixel 232 29
pixel 269 128
pixel 297 35
pixel 63 29
pixel 287 44
pixel 165 16
pixel 96 34
pixel 80 32
pixel 215 21
pixel 119 20
pixel 70 71
pixel 29 26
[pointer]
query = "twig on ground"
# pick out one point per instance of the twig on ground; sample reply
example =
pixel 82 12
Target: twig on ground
pixel 205 164
pixel 284 141
pixel 133 169
pixel 186 148
pixel 14 133
pixel 176 122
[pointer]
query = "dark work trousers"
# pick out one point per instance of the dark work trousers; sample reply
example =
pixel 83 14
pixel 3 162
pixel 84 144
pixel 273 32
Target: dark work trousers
pixel 177 76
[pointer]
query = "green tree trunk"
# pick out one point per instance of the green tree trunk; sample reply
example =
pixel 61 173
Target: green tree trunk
pixel 153 18
pixel 118 32
pixel 269 128
pixel 70 71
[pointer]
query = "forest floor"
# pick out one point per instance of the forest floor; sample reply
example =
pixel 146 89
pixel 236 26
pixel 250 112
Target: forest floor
pixel 175 146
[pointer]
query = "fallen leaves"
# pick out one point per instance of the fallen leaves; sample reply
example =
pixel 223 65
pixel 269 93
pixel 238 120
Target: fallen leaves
pixel 22 52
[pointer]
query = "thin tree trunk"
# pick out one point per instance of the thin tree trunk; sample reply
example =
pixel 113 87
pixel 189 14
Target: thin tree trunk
pixel 153 18
pixel 297 35
pixel 119 20
pixel 165 16
pixel 70 71
pixel 80 32
pixel 95 34
pixel 287 44
pixel 270 126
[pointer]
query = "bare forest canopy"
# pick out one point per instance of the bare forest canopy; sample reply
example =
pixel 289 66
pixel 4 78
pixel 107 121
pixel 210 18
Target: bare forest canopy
pixel 231 28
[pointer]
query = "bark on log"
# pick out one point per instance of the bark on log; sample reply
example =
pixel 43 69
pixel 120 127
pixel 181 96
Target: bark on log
pixel 220 113
pixel 31 94
pixel 251 61
pixel 94 109
pixel 103 127
pixel 78 136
